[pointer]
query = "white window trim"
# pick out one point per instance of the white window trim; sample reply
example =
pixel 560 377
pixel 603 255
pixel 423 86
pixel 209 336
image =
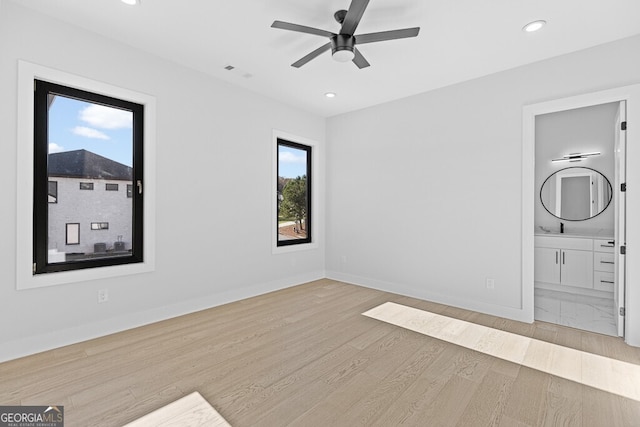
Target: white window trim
pixel 315 193
pixel 27 73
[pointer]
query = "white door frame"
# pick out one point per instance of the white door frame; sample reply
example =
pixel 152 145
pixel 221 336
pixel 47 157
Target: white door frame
pixel 620 205
pixel 630 94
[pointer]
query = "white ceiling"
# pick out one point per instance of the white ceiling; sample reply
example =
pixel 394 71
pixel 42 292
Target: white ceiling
pixel 459 40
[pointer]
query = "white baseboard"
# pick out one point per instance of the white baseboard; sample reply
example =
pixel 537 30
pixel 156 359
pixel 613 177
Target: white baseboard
pixel 39 343
pixel 511 313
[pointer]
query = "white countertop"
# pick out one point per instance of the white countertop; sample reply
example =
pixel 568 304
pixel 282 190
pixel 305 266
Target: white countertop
pixel 595 234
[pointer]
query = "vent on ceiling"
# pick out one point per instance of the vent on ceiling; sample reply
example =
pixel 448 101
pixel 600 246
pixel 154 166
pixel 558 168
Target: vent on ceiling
pixel 238 71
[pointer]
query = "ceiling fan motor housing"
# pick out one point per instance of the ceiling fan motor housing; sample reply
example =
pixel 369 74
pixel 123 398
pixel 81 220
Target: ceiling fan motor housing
pixel 342 46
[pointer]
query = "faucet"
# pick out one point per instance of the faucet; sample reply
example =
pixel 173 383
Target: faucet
pixel 561 228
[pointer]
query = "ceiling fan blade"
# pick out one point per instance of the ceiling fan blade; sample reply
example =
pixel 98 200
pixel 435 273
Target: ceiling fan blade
pixel 300 62
pixel 301 29
pixel 387 35
pixel 359 59
pixel 354 14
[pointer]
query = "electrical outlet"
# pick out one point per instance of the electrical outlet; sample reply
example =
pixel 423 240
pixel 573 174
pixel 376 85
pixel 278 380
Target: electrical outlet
pixel 491 283
pixel 103 296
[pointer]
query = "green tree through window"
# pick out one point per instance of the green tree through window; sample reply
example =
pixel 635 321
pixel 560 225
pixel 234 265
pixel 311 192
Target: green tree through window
pixel 294 202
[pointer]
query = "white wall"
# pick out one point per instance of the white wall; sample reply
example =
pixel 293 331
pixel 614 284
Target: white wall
pixel 424 193
pixel 213 218
pixel 581 130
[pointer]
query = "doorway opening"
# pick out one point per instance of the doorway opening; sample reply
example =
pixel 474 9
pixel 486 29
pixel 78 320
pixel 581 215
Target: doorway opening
pixel 573 267
pixel 575 217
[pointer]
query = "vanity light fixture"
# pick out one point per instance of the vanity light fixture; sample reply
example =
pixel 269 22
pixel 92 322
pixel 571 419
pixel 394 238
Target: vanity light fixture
pixel 534 26
pixel 576 157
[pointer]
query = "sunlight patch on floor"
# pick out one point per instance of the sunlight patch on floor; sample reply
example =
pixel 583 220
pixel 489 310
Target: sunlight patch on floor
pixel 610 375
pixel 190 411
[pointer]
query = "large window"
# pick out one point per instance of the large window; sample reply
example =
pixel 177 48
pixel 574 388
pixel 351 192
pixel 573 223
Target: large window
pixel 81 140
pixel 293 193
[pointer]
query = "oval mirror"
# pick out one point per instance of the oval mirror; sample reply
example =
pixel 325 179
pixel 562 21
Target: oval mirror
pixel 576 194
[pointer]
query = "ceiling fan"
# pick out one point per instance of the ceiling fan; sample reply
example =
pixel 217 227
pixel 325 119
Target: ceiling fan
pixel 343 44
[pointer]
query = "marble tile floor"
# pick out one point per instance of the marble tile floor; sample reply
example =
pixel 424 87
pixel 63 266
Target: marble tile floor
pixel 610 375
pixel 576 311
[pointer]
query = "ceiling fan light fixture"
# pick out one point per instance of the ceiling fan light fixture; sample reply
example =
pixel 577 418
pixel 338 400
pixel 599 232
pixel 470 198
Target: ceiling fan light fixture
pixel 534 26
pixel 342 47
pixel 343 55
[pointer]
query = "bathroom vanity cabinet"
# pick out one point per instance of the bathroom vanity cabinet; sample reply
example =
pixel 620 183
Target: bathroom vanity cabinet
pixel 576 262
pixel 603 265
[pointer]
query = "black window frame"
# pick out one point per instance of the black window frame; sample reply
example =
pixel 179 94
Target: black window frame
pixel 88 186
pixel 42 89
pixel 110 187
pixel 309 177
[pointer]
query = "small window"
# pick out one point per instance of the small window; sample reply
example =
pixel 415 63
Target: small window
pixel 71 127
pixel 129 190
pixel 72 233
pixel 294 193
pixel 53 192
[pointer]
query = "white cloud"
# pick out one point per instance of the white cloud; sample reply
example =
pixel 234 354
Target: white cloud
pixel 89 132
pixel 289 157
pixel 106 117
pixel 55 148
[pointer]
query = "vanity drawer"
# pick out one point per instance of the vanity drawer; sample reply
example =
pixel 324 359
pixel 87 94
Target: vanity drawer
pixel 603 261
pixel 603 281
pixel 604 245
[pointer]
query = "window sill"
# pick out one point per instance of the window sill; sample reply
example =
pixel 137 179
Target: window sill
pixel 65 277
pixel 294 248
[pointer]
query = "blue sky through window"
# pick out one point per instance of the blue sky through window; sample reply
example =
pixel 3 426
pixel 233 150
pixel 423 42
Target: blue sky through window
pixel 292 162
pixel 75 125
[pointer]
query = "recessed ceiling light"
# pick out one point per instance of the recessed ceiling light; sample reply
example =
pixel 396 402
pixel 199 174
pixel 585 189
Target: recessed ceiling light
pixel 534 26
pixel 330 95
pixel 130 2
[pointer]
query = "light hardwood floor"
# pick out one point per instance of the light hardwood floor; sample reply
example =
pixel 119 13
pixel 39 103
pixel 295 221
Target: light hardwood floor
pixel 306 356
